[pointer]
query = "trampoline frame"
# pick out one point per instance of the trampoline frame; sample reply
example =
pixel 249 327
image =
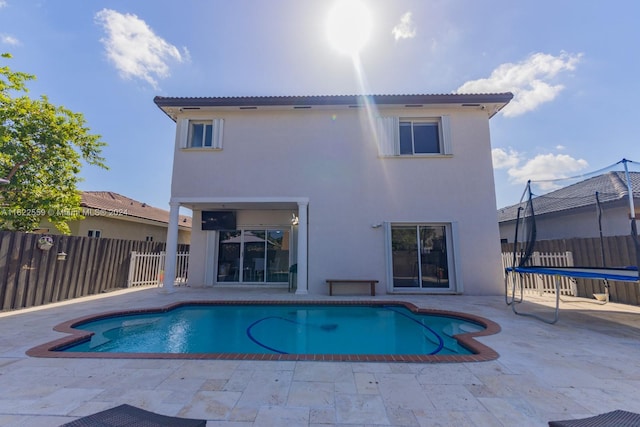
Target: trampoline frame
pixel 624 274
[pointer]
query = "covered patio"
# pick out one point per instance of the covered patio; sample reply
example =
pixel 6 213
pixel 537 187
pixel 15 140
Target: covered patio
pixel 221 253
pixel 585 365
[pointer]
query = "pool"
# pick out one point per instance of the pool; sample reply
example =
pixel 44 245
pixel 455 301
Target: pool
pixel 359 331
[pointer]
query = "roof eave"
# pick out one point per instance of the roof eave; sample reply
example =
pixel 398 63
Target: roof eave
pixel 499 101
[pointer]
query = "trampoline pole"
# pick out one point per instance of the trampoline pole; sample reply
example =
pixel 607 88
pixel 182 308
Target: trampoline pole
pixel 604 260
pixel 632 215
pixel 632 209
pixel 599 212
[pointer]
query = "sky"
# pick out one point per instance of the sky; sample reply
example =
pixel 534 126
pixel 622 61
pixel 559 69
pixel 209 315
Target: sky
pixel 572 65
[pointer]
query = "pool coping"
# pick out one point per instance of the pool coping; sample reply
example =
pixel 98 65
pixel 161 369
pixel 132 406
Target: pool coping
pixel 481 352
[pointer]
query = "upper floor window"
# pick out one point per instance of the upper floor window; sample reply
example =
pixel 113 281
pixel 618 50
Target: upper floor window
pixel 94 233
pixel 419 137
pixel 200 133
pixel 414 136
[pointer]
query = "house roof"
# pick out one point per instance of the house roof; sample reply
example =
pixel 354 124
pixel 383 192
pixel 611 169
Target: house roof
pixel 120 205
pixel 611 186
pixel 172 105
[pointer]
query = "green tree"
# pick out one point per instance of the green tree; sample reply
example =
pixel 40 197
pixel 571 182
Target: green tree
pixel 42 149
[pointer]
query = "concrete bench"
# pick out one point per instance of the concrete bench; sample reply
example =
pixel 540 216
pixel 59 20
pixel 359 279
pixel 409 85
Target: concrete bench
pixel 371 283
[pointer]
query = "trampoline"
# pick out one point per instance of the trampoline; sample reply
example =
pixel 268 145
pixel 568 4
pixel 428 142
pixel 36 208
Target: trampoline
pixel 525 241
pixel 623 274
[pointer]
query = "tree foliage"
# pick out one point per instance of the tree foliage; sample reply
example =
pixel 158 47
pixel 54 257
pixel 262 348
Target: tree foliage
pixel 42 149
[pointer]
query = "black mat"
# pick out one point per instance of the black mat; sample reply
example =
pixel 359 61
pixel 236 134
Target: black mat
pixel 610 419
pixel 129 416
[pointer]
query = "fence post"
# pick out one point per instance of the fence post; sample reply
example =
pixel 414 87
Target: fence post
pixel 535 258
pixel 569 256
pixel 132 268
pixel 160 268
pixel 573 284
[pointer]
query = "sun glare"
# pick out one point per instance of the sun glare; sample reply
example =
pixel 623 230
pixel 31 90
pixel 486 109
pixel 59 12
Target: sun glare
pixel 349 26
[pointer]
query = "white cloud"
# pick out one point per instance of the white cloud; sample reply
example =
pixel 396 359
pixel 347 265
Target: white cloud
pixel 543 167
pixel 134 49
pixel 406 29
pixel 7 39
pixel 503 159
pixel 3 3
pixel 530 81
pixel 546 167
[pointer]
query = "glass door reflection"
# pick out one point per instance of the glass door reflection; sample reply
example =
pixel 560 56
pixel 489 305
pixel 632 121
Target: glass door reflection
pixel 254 256
pixel 404 244
pixel 277 261
pixel 229 262
pixel 420 256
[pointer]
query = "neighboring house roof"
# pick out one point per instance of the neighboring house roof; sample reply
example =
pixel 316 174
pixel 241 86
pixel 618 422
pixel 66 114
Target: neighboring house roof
pixel 499 100
pixel 117 203
pixel 610 186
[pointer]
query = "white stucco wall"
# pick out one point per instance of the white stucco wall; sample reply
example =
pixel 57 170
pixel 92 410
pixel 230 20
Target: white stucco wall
pixel 330 157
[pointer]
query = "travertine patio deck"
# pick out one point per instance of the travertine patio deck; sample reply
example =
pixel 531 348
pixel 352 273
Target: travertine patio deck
pixel 586 364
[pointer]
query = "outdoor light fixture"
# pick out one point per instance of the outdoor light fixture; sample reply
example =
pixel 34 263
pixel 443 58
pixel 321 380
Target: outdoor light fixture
pixel 294 219
pixel 62 256
pixel 45 243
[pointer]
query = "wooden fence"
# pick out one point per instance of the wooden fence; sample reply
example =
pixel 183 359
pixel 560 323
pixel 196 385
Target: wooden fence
pixel 619 251
pixel 30 276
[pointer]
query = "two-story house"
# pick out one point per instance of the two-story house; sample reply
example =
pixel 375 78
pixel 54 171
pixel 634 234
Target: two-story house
pixel 396 188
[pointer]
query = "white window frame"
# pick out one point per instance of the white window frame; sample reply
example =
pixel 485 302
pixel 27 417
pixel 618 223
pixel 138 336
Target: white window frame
pixel 388 136
pixel 412 123
pixel 92 232
pixel 213 245
pixel 184 133
pixel 453 243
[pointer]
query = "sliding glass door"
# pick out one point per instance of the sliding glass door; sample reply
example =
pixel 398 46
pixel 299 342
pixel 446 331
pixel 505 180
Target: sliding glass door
pixel 229 256
pixel 253 256
pixel 420 257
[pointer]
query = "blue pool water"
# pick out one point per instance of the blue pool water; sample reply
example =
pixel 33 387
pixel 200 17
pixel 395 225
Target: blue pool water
pixel 278 329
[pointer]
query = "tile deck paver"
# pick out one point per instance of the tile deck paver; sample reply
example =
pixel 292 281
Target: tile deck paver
pixel 586 364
